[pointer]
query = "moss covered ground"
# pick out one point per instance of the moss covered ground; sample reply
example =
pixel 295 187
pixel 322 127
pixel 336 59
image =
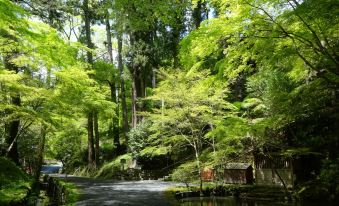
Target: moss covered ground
pixel 14 183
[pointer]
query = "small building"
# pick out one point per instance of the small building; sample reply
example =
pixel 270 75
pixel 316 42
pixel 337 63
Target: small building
pixel 238 173
pixel 274 170
pixel 207 174
pixel 277 169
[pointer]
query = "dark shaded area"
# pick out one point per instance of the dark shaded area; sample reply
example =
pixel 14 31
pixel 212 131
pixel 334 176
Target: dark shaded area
pixel 229 201
pixel 156 162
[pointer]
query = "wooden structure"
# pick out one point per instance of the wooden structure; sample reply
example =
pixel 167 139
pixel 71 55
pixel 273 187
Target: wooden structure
pixel 274 170
pixel 238 173
pixel 207 174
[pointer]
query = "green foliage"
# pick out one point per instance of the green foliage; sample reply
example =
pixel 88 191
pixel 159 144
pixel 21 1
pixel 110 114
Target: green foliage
pixel 187 111
pixel 186 173
pixel 24 43
pixel 137 138
pixel 287 58
pixel 151 151
pixel 104 72
pixel 55 88
pixel 65 145
pixel 145 17
pixel 203 47
pixel 290 52
pixel 229 136
pixel 77 88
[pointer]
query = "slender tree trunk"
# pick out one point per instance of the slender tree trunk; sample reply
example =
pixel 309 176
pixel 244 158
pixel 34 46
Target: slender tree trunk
pixel 36 185
pixel 114 125
pixel 87 19
pixel 97 139
pixel 91 155
pixel 200 13
pixel 134 99
pixel 109 39
pixel 213 141
pixel 197 159
pixel 197 14
pixel 175 41
pixel 139 82
pixel 134 95
pixel 141 103
pixel 154 79
pixel 123 91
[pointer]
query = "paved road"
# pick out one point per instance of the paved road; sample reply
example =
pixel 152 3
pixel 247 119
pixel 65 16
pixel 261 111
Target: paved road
pixel 136 193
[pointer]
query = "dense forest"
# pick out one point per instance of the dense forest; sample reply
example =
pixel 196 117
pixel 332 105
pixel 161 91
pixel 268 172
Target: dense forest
pixel 177 84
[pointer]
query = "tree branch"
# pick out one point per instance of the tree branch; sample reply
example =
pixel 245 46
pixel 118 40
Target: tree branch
pixel 317 38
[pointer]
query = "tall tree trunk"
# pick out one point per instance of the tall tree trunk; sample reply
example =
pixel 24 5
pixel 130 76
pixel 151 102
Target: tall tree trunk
pixel 12 128
pixel 139 74
pixel 199 13
pixel 154 78
pixel 114 125
pixel 87 18
pixel 197 17
pixel 41 147
pixel 109 39
pixel 97 139
pixel 197 159
pixel 134 95
pixel 177 29
pixel 141 104
pixel 91 155
pixel 125 126
pixel 134 99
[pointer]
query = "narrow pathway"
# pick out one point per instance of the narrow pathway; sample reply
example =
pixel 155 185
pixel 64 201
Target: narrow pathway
pixel 104 192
